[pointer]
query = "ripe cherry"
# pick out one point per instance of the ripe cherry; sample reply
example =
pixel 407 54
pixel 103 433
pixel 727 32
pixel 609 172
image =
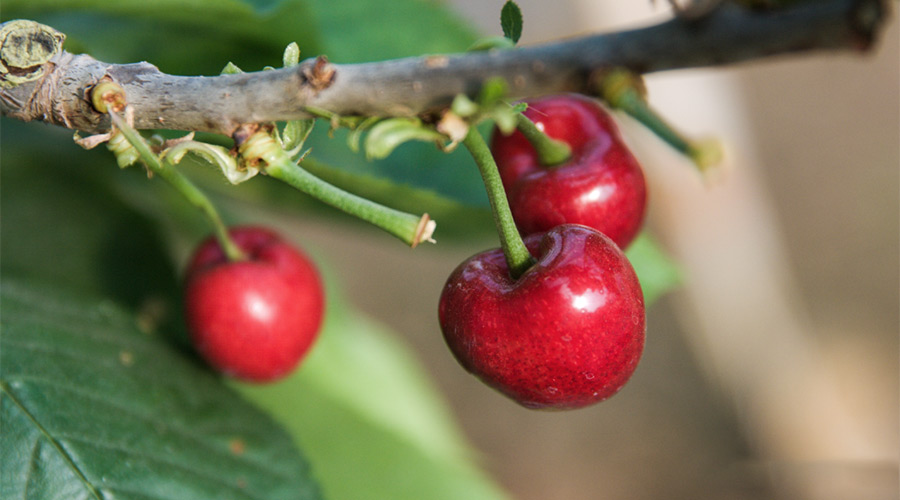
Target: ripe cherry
pixel 600 186
pixel 253 319
pixel 565 334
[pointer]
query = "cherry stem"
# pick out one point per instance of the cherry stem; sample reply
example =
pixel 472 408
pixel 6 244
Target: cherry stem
pixel 409 228
pixel 182 184
pixel 550 151
pixel 517 257
pixel 622 90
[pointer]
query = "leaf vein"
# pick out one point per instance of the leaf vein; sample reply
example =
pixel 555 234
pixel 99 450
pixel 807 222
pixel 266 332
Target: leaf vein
pixel 5 388
pixel 155 422
pixel 158 459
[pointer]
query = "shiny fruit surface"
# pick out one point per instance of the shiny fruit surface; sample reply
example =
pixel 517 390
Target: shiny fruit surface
pixel 566 334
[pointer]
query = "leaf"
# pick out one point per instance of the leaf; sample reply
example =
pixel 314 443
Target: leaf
pixel 93 408
pixel 396 435
pixel 345 30
pixel 386 135
pixel 179 36
pixel 363 31
pixel 63 224
pixel 295 133
pixel 511 21
pixel 656 271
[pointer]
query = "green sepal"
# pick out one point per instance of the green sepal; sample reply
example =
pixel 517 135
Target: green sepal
pixel 291 55
pixel 385 136
pixel 492 101
pixel 295 133
pixel 355 134
pixel 463 106
pixel 231 69
pixel 493 91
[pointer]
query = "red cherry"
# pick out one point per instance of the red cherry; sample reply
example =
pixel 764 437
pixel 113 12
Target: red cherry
pixel 566 334
pixel 600 186
pixel 253 319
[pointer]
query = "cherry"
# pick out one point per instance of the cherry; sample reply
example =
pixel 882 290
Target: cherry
pixel 256 318
pixel 566 334
pixel 601 185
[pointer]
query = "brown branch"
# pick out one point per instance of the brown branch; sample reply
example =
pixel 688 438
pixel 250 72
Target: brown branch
pixel 728 34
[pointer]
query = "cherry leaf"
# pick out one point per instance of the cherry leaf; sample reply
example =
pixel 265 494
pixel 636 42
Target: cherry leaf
pixel 656 271
pixel 92 407
pixel 295 133
pixel 511 21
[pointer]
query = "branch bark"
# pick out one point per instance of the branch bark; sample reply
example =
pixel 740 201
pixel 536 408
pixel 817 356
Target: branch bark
pixel 420 85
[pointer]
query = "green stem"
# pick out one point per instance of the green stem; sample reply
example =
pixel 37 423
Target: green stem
pixel 409 228
pixel 182 184
pixel 550 151
pixel 620 91
pixel 517 257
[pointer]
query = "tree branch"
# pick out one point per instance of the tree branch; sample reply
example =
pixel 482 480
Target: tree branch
pixel 413 86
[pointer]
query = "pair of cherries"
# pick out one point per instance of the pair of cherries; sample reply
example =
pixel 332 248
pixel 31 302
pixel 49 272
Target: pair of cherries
pixel 569 331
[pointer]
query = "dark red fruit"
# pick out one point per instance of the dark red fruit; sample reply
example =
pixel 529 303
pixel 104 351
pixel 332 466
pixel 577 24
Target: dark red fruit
pixel 253 319
pixel 600 186
pixel 566 334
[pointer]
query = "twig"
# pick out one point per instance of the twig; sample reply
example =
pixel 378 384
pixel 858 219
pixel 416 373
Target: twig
pixel 415 86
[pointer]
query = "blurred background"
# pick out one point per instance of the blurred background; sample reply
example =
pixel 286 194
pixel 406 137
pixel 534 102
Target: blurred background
pixel 773 371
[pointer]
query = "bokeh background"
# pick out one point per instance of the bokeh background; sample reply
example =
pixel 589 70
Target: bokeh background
pixel 773 371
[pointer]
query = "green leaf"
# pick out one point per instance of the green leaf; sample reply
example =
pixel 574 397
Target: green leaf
pixel 656 271
pixel 395 435
pixel 362 31
pixel 94 408
pixel 345 30
pixel 63 224
pixel 179 36
pixel 295 133
pixel 386 135
pixel 511 21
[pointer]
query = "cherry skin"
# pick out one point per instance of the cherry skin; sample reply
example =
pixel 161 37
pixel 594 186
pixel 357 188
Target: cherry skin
pixel 566 334
pixel 601 185
pixel 253 319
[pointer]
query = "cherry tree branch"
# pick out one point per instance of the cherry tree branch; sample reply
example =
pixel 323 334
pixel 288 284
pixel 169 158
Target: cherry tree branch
pixel 420 85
